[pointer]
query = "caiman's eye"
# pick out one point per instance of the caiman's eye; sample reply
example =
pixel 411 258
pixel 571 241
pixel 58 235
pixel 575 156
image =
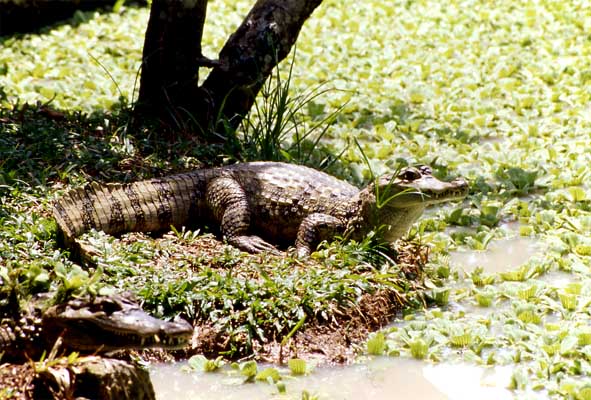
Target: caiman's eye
pixel 410 174
pixel 109 307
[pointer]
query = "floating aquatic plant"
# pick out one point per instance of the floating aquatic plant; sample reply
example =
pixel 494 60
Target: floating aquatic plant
pixel 573 288
pixel 529 316
pixel 199 362
pixel 479 278
pixel 484 298
pixel 519 275
pixel 463 339
pixel 584 393
pixel 568 301
pixel 528 293
pixel 270 375
pixel 503 102
pixel 418 348
pixel 440 296
pixel 297 366
pixel 584 337
pixel 376 345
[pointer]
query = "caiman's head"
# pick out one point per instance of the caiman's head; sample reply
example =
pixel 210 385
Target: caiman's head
pixel 397 200
pixel 414 186
pixel 112 322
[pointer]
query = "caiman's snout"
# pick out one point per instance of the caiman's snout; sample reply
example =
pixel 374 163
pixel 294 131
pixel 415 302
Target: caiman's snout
pixel 414 186
pixel 436 191
pixel 458 189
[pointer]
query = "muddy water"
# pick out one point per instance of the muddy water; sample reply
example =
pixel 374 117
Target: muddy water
pixel 500 256
pixel 381 378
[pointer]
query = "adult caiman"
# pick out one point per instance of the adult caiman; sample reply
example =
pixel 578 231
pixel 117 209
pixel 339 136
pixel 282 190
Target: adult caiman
pixel 257 203
pixel 88 325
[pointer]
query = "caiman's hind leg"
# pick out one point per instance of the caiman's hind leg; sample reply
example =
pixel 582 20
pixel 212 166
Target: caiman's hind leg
pixel 227 200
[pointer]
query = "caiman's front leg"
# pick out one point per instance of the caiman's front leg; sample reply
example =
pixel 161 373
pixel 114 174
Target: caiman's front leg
pixel 227 200
pixel 314 229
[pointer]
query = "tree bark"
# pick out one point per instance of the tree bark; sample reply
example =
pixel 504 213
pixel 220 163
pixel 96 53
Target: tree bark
pixel 171 59
pixel 264 38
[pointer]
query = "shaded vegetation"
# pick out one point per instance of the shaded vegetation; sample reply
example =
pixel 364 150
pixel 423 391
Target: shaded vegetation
pixel 21 16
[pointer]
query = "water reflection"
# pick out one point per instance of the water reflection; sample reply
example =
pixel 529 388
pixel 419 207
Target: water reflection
pixel 382 378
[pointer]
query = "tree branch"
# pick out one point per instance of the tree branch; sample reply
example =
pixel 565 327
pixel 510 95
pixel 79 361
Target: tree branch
pixel 265 37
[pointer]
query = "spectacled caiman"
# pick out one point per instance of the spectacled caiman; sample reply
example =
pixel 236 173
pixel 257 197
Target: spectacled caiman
pixel 87 325
pixel 257 203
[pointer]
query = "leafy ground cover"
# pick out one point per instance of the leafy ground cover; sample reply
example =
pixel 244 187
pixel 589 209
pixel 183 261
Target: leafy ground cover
pixel 496 91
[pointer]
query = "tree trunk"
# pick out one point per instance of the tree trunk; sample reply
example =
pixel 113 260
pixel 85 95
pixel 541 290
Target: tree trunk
pixel 169 79
pixel 170 61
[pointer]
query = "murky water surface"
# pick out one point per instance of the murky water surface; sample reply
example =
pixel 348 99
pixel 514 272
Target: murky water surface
pixel 382 378
pixel 500 256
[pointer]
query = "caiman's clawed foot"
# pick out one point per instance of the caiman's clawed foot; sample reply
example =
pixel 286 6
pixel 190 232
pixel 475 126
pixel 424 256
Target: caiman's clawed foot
pixel 253 244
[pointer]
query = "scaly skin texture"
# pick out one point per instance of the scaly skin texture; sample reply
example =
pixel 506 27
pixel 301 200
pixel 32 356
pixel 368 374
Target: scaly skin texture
pixel 257 203
pixel 100 324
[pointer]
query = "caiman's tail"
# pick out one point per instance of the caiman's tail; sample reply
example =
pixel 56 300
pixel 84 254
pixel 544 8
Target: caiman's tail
pixel 145 206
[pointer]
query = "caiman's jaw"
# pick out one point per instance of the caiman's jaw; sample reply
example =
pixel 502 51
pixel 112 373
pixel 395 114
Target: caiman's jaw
pixel 108 323
pixel 416 186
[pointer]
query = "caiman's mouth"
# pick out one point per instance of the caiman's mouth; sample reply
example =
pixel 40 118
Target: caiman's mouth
pixel 110 323
pixel 454 190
